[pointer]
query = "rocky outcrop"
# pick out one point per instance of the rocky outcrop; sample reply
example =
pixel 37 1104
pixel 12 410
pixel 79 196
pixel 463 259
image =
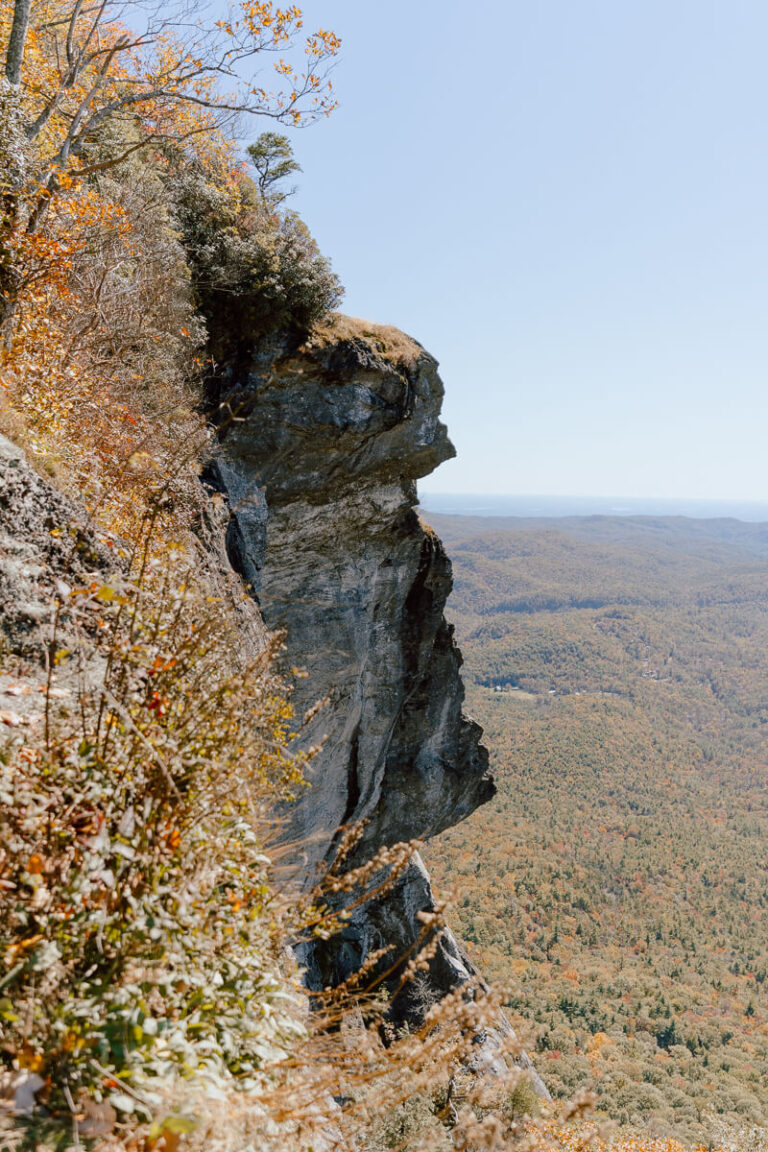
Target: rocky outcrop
pixel 319 452
pixel 47 544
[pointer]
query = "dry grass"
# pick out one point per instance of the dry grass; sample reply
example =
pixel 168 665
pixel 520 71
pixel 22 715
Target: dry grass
pixel 384 339
pixel 429 531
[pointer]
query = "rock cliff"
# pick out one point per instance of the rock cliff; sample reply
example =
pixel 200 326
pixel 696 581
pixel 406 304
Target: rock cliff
pixel 319 452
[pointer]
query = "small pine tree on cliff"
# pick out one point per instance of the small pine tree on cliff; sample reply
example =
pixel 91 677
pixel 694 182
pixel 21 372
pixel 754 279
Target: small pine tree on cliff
pixel 274 161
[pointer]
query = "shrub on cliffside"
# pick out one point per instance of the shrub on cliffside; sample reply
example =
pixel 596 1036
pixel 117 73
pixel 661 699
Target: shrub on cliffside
pixel 254 269
pixel 140 931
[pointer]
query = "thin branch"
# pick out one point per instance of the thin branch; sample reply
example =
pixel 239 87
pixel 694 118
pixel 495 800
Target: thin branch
pixel 71 32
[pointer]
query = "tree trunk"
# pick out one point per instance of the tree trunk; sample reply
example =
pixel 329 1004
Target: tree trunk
pixel 9 300
pixel 16 41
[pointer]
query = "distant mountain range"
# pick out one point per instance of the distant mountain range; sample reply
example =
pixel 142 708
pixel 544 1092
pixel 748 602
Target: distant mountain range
pixel 468 504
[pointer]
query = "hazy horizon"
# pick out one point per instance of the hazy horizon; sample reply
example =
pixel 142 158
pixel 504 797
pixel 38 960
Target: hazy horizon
pixel 540 504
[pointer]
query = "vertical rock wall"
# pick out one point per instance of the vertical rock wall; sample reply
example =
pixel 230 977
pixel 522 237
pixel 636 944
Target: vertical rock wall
pixel 319 453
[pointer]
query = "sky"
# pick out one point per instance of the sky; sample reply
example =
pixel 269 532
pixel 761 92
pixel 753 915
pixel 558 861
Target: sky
pixel 566 203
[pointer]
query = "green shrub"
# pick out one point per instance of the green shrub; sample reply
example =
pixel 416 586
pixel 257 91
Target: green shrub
pixel 412 1125
pixel 522 1100
pixel 254 270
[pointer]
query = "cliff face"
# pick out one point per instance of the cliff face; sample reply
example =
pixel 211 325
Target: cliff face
pixel 318 454
pixel 319 461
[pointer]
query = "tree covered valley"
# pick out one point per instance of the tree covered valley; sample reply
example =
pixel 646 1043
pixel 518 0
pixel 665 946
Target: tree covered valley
pixel 618 882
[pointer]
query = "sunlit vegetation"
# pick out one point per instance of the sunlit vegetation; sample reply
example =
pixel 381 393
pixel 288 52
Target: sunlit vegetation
pixel 141 937
pixel 619 881
pixel 149 999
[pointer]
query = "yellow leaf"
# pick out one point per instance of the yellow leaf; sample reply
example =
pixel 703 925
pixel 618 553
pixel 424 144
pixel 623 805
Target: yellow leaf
pixel 30 1059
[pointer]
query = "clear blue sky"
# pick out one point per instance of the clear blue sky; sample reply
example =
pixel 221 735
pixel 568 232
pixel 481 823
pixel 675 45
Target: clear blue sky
pixel 566 202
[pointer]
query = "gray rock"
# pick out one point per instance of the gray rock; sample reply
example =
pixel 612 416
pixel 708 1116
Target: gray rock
pixel 46 544
pixel 319 468
pixel 318 455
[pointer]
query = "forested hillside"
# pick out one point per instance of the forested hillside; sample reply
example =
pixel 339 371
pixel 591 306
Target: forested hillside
pixel 619 882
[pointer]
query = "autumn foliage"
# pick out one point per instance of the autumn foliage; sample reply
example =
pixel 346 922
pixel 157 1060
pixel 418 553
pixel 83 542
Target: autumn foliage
pixel 147 999
pixel 113 142
pixel 146 996
pixel 617 882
